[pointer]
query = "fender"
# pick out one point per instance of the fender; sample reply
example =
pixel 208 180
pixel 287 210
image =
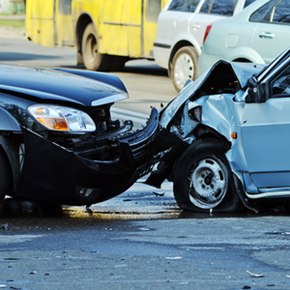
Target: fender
pixel 8 125
pixel 245 53
pixel 83 19
pixel 109 79
pixel 11 150
pixel 184 40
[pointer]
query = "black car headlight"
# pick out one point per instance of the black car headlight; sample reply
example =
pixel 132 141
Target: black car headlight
pixel 60 118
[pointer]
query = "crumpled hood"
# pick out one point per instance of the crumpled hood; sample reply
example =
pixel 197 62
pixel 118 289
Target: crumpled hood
pixel 55 85
pixel 237 73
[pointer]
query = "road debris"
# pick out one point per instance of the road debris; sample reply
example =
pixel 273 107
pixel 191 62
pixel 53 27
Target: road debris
pixel 4 227
pixel 158 193
pixel 255 275
pixel 33 273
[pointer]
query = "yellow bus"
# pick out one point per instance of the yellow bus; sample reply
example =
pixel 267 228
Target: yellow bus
pixel 106 33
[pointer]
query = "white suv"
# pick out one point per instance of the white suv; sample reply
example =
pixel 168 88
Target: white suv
pixel 180 32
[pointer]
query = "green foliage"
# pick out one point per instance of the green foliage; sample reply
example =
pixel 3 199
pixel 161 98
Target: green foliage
pixel 14 24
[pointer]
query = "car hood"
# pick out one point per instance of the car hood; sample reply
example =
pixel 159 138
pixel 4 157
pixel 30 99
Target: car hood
pixel 55 85
pixel 222 76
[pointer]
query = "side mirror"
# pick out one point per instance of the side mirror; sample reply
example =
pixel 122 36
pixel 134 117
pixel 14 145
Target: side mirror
pixel 257 93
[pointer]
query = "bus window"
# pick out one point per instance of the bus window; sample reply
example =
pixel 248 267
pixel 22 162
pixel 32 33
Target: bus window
pixel 64 7
pixel 152 10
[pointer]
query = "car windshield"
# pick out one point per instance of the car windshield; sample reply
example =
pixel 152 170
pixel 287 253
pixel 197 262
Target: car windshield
pixel 266 71
pixel 281 83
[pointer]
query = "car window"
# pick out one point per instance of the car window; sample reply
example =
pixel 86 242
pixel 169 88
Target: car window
pixel 183 5
pixel 281 84
pixel 248 2
pixel 274 12
pixel 282 12
pixel 220 7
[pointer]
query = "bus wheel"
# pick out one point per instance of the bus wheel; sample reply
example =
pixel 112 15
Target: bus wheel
pixel 93 60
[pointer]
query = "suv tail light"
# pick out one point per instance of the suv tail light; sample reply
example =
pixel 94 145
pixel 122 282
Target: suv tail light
pixel 208 28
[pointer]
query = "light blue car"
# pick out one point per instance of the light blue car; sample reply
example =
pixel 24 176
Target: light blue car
pixel 257 34
pixel 229 136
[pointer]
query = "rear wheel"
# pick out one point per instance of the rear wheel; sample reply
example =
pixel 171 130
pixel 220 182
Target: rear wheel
pixel 5 175
pixel 203 179
pixel 93 60
pixel 184 66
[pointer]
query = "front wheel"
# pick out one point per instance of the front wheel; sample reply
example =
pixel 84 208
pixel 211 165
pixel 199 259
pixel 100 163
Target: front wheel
pixel 92 59
pixel 184 66
pixel 5 175
pixel 203 179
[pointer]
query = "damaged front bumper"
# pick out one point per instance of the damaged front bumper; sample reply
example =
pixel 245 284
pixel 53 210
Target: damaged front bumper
pixel 56 174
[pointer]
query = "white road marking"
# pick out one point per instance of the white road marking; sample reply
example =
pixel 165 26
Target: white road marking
pixel 136 117
pixel 5 239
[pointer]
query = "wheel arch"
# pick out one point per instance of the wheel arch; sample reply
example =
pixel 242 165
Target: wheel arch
pixel 241 59
pixel 244 53
pixel 81 25
pixel 11 151
pixel 176 47
pixel 205 133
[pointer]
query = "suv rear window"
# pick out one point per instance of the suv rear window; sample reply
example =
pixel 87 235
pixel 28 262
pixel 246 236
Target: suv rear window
pixel 183 5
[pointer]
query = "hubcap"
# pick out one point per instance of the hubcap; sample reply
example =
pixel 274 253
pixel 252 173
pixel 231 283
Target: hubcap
pixel 208 183
pixel 183 70
pixel 91 48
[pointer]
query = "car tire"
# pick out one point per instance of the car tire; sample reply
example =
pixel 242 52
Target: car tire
pixel 184 66
pixel 203 179
pixel 93 60
pixel 5 175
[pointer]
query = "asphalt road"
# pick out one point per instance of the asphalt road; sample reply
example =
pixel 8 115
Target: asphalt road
pixel 140 239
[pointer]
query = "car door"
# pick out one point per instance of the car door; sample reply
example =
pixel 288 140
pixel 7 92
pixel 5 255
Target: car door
pixel 176 21
pixel 272 34
pixel 266 136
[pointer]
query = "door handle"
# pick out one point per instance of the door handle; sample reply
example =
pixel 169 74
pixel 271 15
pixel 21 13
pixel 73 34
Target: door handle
pixel 266 35
pixel 195 26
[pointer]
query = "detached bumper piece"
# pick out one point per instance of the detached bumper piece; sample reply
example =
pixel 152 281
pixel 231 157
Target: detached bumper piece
pixel 52 173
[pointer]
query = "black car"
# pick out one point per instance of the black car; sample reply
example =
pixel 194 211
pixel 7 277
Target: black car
pixel 58 142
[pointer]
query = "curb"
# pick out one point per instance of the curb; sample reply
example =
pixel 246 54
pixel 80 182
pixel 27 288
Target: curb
pixel 13 17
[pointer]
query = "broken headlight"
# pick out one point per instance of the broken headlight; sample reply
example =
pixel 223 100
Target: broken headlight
pixel 195 114
pixel 60 118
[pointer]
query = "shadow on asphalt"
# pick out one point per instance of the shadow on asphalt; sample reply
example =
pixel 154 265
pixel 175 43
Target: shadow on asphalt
pixel 18 56
pixel 12 208
pixel 153 69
